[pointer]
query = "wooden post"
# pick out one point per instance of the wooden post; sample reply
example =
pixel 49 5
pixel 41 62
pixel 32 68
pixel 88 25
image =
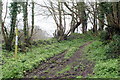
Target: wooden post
pixel 16 42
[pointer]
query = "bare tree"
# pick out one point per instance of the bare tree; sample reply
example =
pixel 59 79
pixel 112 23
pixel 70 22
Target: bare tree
pixel 4 29
pixel 57 12
pixel 101 16
pixel 25 21
pixel 0 15
pixel 94 16
pixel 32 18
pixel 81 6
pixel 76 18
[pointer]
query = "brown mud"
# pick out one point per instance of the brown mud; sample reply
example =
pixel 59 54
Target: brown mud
pixel 59 67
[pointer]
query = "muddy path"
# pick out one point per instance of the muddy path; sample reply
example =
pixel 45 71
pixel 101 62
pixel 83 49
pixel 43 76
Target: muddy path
pixel 59 67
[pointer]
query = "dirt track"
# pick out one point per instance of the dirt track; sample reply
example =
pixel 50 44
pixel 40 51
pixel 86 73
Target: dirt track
pixel 77 65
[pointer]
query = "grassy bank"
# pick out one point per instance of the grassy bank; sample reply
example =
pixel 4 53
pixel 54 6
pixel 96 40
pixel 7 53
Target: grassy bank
pixel 44 49
pixel 15 68
pixel 104 67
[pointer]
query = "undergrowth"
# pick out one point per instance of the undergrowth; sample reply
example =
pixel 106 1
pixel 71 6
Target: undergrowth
pixel 105 67
pixel 40 52
pixel 67 68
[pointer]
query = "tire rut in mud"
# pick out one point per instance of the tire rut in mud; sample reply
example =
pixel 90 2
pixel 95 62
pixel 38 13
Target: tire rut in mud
pixel 78 64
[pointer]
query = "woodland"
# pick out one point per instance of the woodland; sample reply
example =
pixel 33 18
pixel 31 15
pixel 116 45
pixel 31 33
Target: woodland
pixel 92 53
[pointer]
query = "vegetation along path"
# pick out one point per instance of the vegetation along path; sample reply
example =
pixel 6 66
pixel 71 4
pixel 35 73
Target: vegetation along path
pixel 60 67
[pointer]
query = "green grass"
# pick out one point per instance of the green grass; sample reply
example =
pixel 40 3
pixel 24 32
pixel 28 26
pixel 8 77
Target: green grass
pixel 27 61
pixel 71 51
pixel 0 63
pixel 42 50
pixel 0 72
pixel 15 68
pixel 79 77
pixel 104 68
pixel 67 68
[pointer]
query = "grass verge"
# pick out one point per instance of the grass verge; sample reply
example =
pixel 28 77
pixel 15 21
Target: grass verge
pixel 15 68
pixel 104 68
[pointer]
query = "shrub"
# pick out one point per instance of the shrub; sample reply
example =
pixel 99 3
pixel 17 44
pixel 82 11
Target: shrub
pixel 113 50
pixel 104 36
pixel 104 69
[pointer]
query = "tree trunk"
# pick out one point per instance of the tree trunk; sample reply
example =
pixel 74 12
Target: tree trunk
pixel 32 20
pixel 101 17
pixel 119 14
pixel 82 13
pixel 60 27
pixel 84 22
pixel 14 10
pixel 0 15
pixel 101 25
pixel 0 21
pixel 76 26
pixel 25 21
pixel 84 17
pixel 95 19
